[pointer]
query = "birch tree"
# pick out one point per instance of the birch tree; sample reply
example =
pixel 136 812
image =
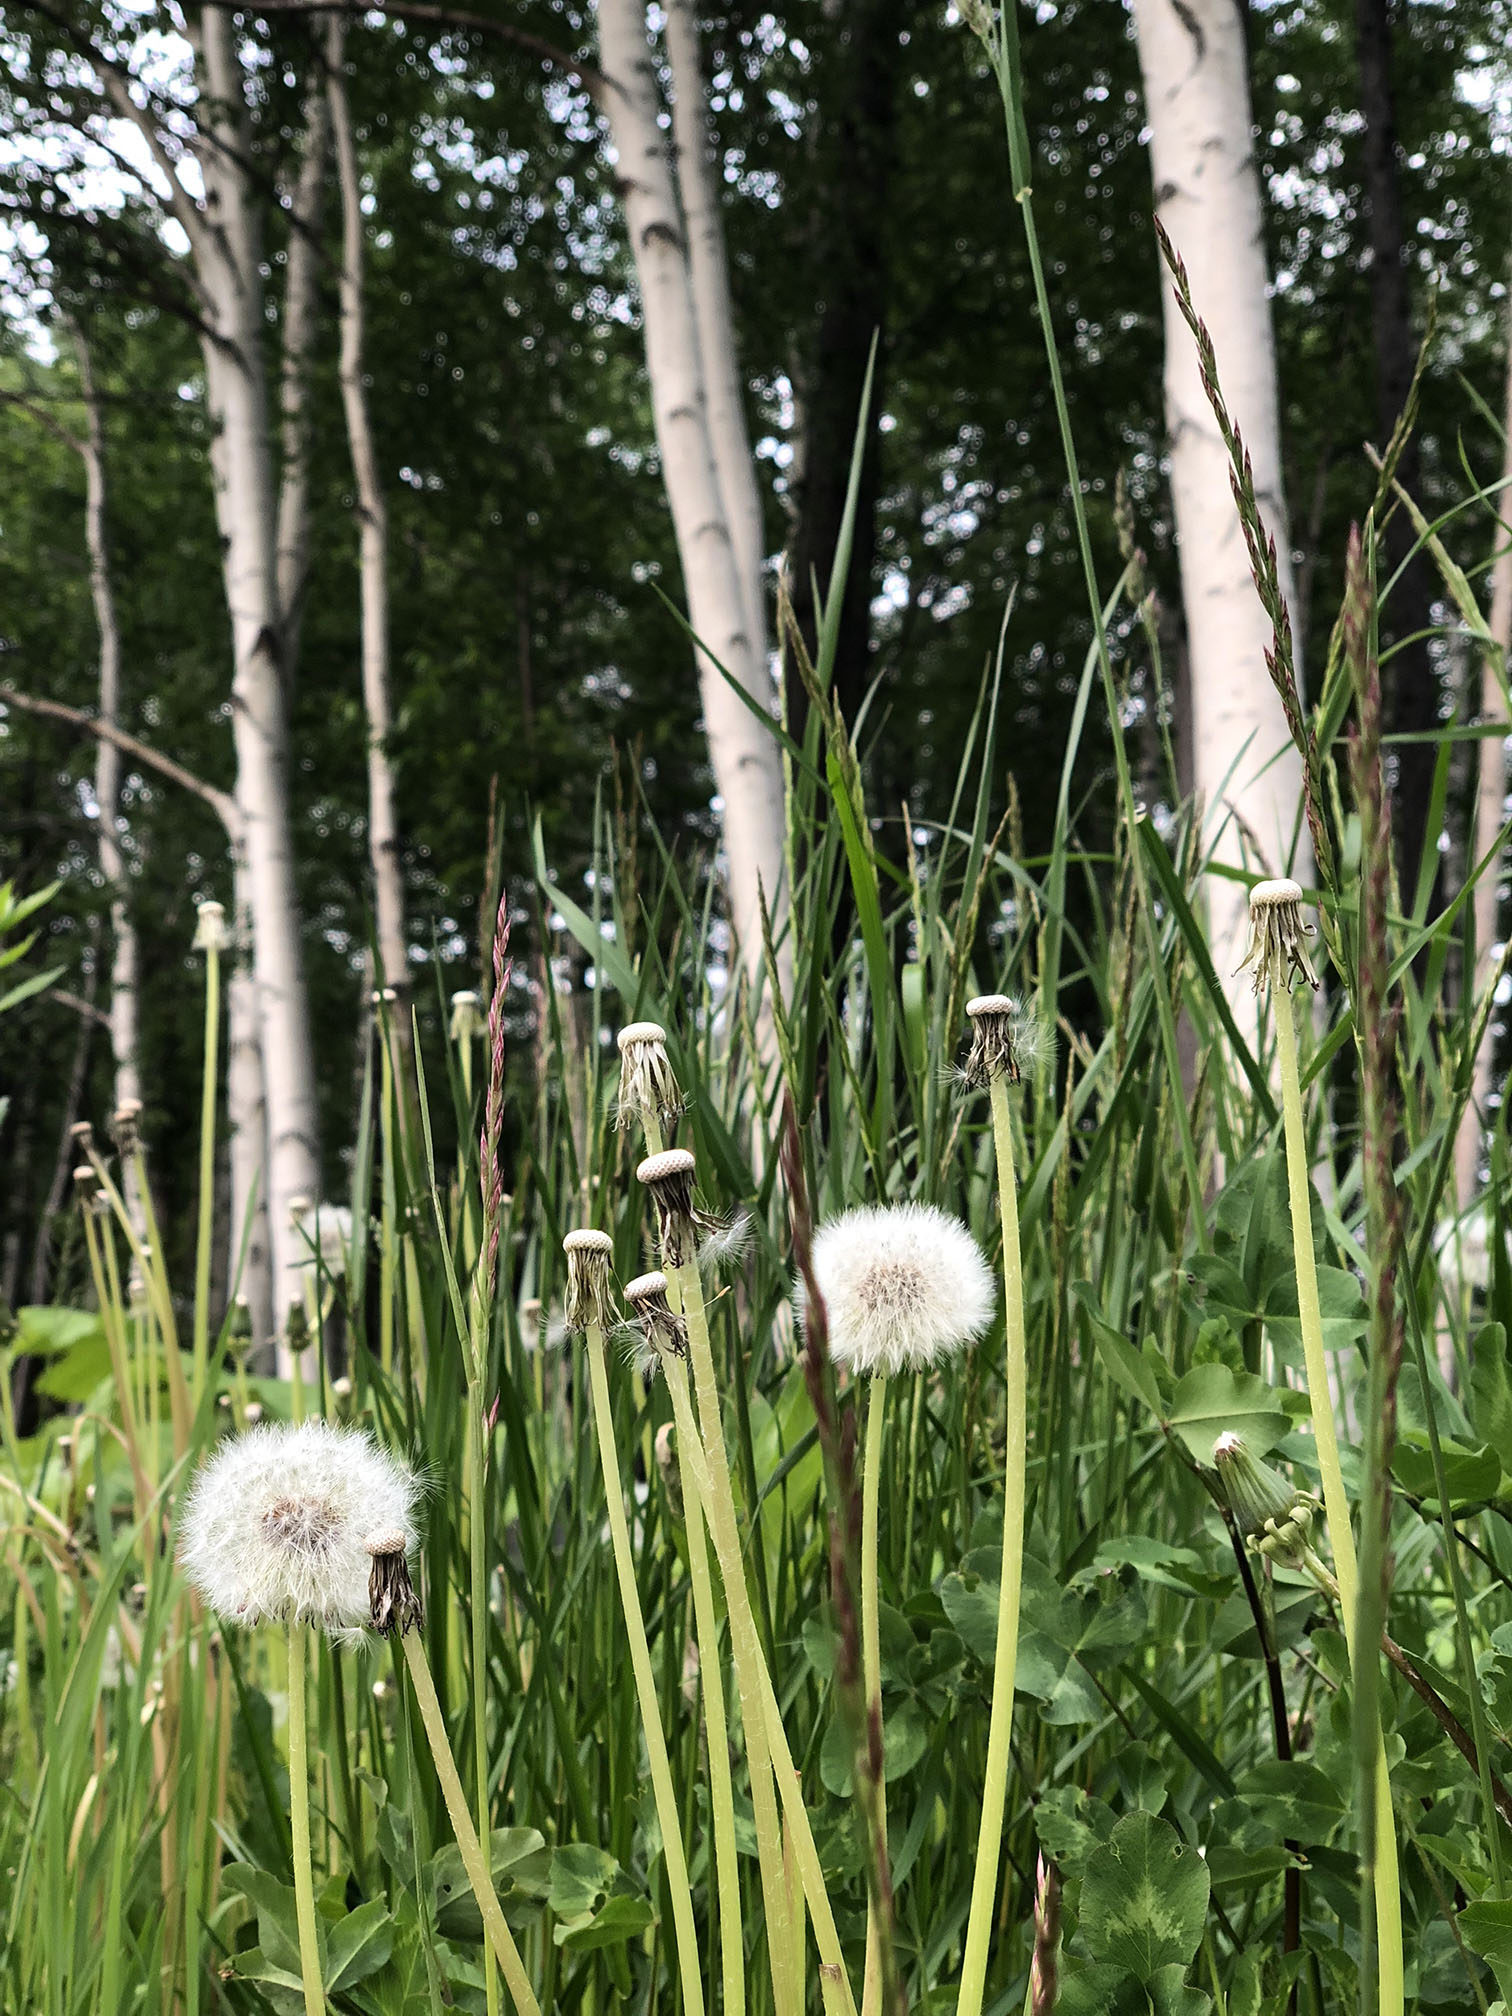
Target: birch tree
pixel 372 524
pixel 742 752
pixel 1207 194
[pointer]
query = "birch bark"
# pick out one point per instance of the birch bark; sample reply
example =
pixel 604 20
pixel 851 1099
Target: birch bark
pixel 1490 816
pixel 301 314
pixel 743 754
pixel 1207 194
pixel 372 522
pixel 228 254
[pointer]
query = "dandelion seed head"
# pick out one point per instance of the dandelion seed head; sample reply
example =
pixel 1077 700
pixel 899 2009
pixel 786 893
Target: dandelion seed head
pixel 904 1287
pixel 588 1253
pixel 277 1524
pixel 1276 947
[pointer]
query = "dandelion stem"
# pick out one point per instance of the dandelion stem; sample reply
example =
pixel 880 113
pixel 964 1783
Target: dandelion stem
pixel 206 1227
pixel 478 1577
pixel 645 1683
pixel 1335 1500
pixel 745 1646
pixel 473 1859
pixel 1000 1727
pixel 299 1816
pixel 871 1655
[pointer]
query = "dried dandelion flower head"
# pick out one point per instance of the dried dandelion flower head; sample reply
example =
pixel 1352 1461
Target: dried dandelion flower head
pixel 994 1053
pixel 904 1286
pixel 393 1605
pixel 125 1125
pixel 587 1298
pixel 466 1016
pixel 210 933
pixel 647 1082
pixel 277 1524
pixel 669 1178
pixel 1276 947
pixel 664 1331
pixel 1274 1518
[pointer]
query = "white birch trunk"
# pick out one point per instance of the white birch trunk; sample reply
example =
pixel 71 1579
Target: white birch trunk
pixel 301 304
pixel 123 964
pixel 1207 194
pixel 228 260
pixel 372 523
pixel 744 755
pixel 714 311
pixel 248 1246
pixel 1490 817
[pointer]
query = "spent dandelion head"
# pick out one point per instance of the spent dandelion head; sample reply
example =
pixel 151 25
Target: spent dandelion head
pixel 664 1331
pixel 669 1178
pixel 393 1605
pixel 126 1127
pixel 210 933
pixel 587 1299
pixel 647 1081
pixel 466 1021
pixel 1274 1518
pixel 277 1523
pixel 904 1286
pixel 1276 946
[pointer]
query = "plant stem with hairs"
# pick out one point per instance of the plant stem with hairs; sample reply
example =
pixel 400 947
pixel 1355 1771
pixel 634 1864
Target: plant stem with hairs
pixel 871 1653
pixel 299 1820
pixel 209 937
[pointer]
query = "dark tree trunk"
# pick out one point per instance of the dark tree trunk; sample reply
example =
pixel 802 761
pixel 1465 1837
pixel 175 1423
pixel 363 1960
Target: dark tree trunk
pixel 855 156
pixel 1411 687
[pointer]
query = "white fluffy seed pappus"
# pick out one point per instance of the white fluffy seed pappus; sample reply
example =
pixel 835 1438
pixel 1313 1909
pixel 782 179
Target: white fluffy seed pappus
pixel 904 1287
pixel 277 1523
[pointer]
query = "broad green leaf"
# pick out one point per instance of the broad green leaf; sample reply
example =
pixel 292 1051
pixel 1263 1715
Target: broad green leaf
pixel 358 1945
pixel 43 1333
pixel 1144 1898
pixel 581 1877
pixel 1211 1400
pixel 1487 1930
pixel 277 1917
pixel 1490 1390
pixel 621 1918
pixel 1473 1475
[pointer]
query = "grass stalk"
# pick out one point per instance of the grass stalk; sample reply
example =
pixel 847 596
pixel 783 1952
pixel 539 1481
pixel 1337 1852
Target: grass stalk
pixel 299 1818
pixel 1005 1658
pixel 205 1227
pixel 645 1684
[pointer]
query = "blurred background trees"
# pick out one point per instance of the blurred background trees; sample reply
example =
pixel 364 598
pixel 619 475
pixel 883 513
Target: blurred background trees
pixel 535 671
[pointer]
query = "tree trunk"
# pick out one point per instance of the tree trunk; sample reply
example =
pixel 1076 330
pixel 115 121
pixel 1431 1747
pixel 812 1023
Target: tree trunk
pixel 1490 815
pixel 248 1247
pixel 372 521
pixel 856 146
pixel 63 1161
pixel 123 969
pixel 714 312
pixel 743 754
pixel 301 306
pixel 229 256
pixel 1207 193
pixel 1411 694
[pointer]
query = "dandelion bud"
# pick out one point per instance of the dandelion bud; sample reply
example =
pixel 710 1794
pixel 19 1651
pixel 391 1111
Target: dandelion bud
pixel 393 1605
pixel 665 1332
pixel 993 1051
pixel 277 1522
pixel 904 1287
pixel 239 1332
pixel 210 933
pixel 647 1083
pixel 124 1126
pixel 1275 947
pixel 466 1021
pixel 671 1471
pixel 588 1254
pixel 1273 1517
pixel 297 1328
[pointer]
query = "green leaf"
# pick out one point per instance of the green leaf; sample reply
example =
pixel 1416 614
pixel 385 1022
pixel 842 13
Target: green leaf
pixel 1211 1400
pixel 581 1877
pixel 1144 1898
pixel 43 1333
pixel 1473 1475
pixel 1124 1365
pixel 519 1862
pixel 358 1945
pixel 284 1990
pixel 1487 1930
pixel 81 1368
pixel 1490 1389
pixel 277 1917
pixel 621 1918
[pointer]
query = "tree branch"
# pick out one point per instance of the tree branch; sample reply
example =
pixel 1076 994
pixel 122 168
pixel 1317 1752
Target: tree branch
pixel 221 803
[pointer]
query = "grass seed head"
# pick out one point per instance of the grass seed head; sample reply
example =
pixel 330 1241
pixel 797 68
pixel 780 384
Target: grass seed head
pixel 647 1083
pixel 904 1287
pixel 1276 947
pixel 587 1299
pixel 277 1524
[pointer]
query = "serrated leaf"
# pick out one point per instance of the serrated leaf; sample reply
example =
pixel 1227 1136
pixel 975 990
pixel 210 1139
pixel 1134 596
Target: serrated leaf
pixel 1144 1898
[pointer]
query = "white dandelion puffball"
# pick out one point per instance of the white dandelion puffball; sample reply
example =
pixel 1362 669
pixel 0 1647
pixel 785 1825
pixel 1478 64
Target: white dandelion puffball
pixel 277 1522
pixel 904 1286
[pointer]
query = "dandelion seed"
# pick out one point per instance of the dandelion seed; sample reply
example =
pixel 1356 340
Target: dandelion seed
pixel 1276 933
pixel 277 1523
pixel 647 1083
pixel 904 1287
